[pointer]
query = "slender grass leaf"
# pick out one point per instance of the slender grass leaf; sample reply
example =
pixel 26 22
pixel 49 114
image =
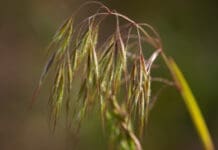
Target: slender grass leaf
pixel 191 104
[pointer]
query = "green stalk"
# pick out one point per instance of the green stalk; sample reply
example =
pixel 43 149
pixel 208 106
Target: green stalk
pixel 191 103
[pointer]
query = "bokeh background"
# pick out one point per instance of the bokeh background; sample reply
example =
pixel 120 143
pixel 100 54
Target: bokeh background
pixel 189 31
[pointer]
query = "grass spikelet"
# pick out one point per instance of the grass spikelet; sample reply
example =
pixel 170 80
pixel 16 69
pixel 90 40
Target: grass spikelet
pixel 63 30
pixel 57 95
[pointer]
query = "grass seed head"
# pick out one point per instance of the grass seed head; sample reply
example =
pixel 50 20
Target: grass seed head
pixel 108 68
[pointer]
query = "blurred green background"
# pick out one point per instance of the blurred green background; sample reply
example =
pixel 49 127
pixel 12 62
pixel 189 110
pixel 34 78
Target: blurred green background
pixel 189 31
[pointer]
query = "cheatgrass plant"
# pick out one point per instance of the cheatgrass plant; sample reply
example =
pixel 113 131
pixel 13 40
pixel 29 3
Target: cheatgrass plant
pixel 113 74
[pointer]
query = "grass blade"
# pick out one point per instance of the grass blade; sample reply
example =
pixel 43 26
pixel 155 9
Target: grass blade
pixel 191 104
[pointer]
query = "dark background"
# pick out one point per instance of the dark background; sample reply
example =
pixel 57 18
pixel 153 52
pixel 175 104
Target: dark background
pixel 189 31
